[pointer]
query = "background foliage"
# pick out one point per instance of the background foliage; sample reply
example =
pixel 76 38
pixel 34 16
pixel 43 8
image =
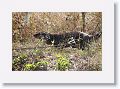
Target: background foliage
pixel 26 24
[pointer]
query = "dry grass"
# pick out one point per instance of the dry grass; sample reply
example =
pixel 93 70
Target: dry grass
pixel 89 59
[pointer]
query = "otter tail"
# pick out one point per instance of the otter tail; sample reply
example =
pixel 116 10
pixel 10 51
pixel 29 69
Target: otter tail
pixel 97 35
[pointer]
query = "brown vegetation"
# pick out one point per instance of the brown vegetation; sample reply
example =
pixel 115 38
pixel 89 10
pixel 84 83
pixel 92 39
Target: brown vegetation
pixel 38 56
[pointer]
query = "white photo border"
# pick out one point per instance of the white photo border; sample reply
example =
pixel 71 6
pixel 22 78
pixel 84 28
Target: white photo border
pixel 104 76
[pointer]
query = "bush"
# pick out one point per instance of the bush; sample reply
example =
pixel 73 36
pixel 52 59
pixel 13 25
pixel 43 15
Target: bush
pixel 36 66
pixel 62 63
pixel 18 63
pixel 29 67
pixel 41 65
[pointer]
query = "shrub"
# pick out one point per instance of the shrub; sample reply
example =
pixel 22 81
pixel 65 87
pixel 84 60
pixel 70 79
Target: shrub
pixel 29 67
pixel 19 62
pixel 62 63
pixel 41 65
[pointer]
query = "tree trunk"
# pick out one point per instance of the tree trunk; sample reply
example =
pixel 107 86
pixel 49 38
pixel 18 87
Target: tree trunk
pixel 83 19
